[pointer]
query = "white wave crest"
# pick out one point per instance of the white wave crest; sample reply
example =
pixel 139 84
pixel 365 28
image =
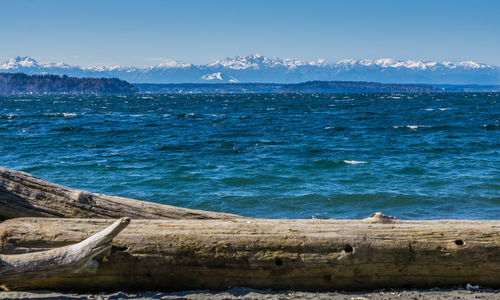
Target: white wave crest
pixel 412 127
pixel 355 162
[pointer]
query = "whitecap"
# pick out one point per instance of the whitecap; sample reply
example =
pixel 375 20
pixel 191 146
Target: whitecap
pixel 60 114
pixel 355 162
pixel 137 116
pixel 8 116
pixel 412 127
pixel 429 109
pixel 444 108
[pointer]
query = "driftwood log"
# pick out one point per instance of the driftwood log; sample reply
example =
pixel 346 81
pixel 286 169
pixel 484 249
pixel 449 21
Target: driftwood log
pixel 24 195
pixel 376 252
pixel 69 259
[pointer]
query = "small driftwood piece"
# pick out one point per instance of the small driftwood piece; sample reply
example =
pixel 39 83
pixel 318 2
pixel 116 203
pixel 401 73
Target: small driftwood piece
pixel 315 255
pixel 75 258
pixel 24 195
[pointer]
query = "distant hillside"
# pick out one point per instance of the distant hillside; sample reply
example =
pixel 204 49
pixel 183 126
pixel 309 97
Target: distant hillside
pixel 13 84
pixel 306 87
pixel 355 87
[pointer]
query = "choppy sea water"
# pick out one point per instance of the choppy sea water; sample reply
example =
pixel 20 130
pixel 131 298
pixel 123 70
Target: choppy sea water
pixel 415 156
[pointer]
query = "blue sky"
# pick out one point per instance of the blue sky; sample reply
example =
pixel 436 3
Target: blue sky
pixel 145 32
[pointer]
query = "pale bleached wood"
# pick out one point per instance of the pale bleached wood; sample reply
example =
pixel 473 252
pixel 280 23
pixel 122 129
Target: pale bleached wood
pixel 24 195
pixel 59 261
pixel 314 255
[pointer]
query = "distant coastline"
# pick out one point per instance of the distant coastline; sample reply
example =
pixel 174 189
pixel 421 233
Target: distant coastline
pixel 304 87
pixel 23 84
pixel 309 87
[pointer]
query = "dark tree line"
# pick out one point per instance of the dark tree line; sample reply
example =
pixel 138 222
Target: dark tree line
pixel 19 83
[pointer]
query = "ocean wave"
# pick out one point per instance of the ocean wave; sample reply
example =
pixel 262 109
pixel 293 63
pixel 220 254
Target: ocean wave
pixel 65 115
pixel 355 162
pixel 68 129
pixel 321 164
pixel 8 116
pixel 491 126
pixel 336 128
pixel 185 115
pixel 412 127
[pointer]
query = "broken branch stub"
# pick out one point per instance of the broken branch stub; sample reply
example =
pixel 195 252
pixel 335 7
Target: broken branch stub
pixel 59 261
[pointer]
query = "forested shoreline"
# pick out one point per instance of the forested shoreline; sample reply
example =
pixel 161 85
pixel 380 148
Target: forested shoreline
pixel 22 84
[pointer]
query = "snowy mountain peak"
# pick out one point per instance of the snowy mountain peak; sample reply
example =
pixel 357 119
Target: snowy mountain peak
pixel 259 68
pixel 409 64
pixel 256 61
pixel 472 65
pixel 213 76
pixel 240 62
pixel 385 62
pixel 170 63
pixel 19 61
pixel 26 62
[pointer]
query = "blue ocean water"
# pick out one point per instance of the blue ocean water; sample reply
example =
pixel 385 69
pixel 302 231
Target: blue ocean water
pixel 415 156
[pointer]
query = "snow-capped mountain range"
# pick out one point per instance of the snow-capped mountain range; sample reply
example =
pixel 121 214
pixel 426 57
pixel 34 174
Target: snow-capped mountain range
pixel 258 68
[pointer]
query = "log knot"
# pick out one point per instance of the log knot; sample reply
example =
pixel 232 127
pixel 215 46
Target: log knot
pixel 83 197
pixel 379 217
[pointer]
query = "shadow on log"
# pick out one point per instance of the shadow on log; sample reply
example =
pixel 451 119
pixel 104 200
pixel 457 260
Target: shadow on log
pixel 24 195
pixel 315 255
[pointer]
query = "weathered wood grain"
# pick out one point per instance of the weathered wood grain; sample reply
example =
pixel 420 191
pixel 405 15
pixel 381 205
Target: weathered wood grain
pixel 24 195
pixel 311 255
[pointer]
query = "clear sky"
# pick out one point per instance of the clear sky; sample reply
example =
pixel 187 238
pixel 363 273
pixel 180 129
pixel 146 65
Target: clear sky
pixel 145 32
